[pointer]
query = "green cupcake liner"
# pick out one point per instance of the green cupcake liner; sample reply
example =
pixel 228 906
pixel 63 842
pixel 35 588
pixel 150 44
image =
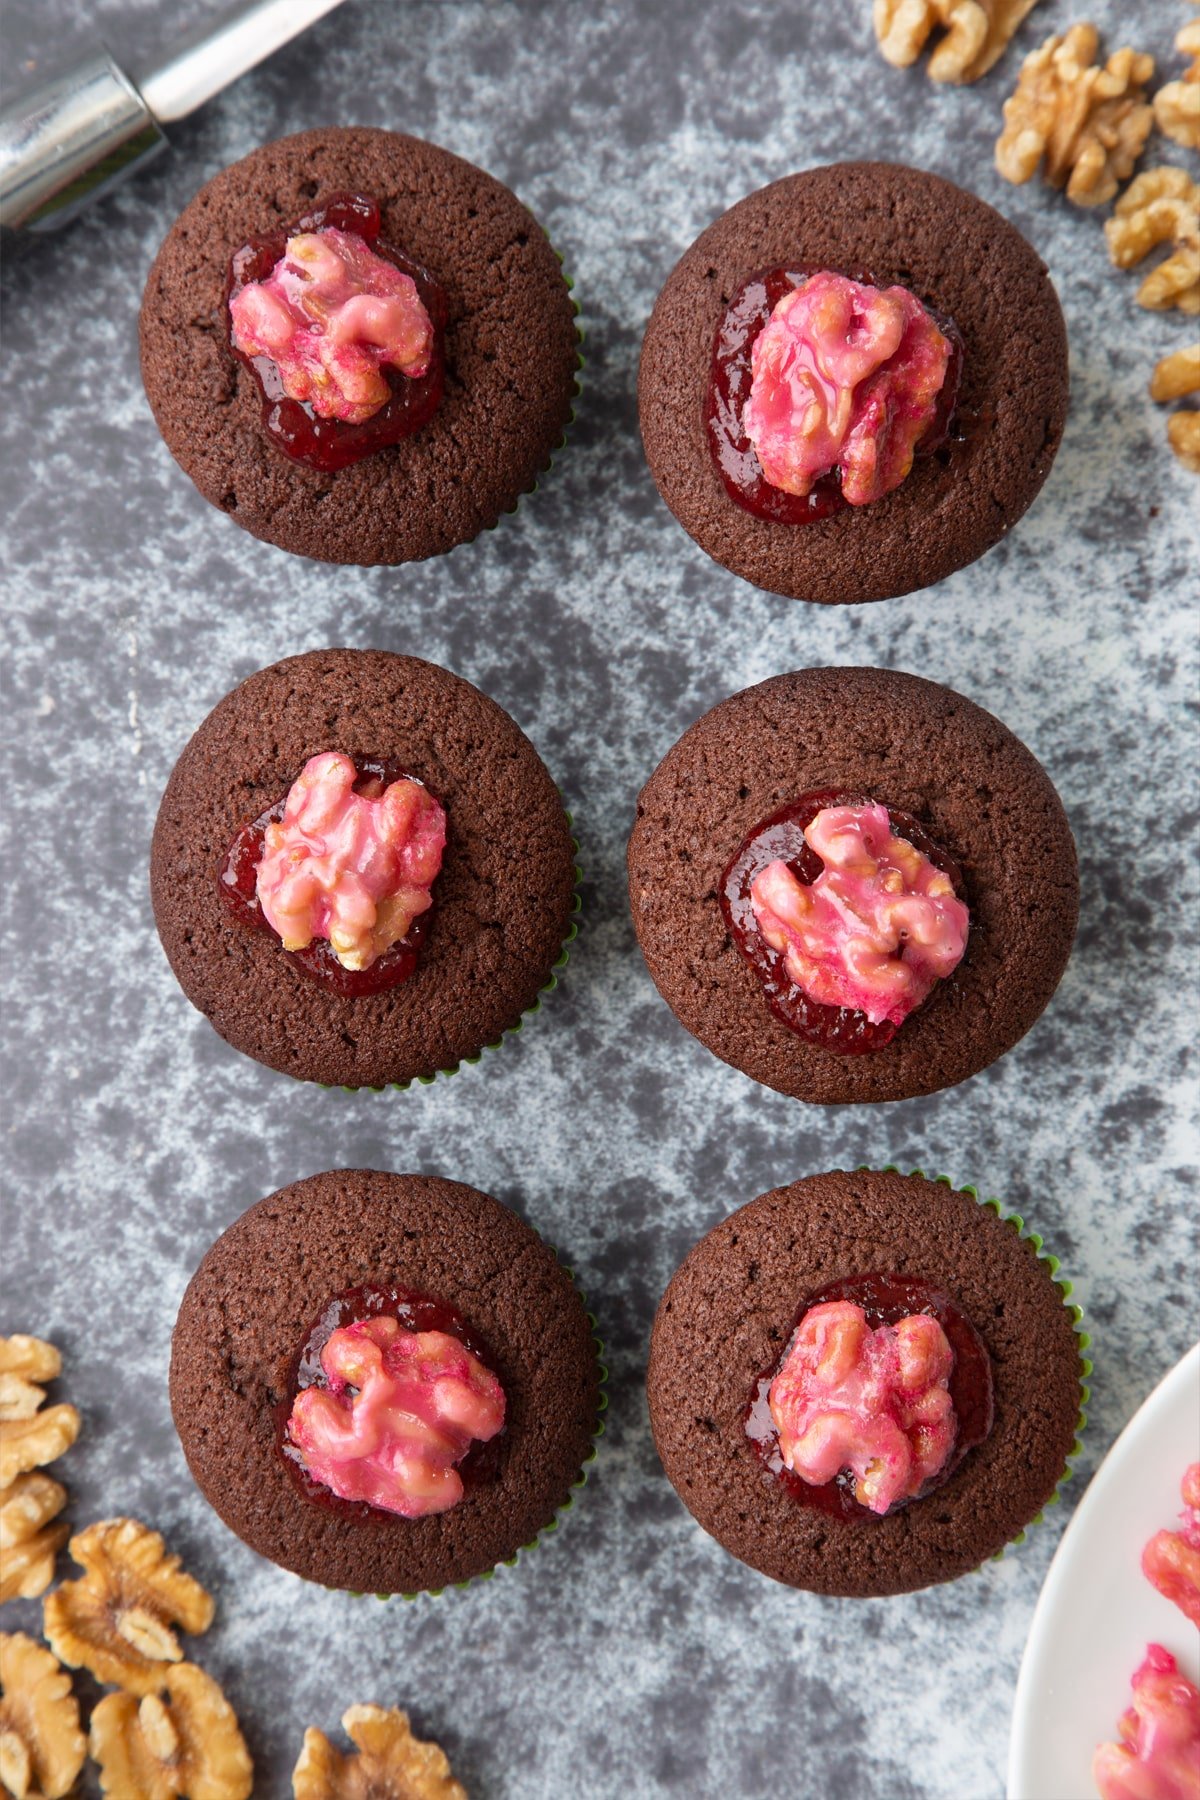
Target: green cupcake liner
pixel 1082 1338
pixel 577 1486
pixel 548 987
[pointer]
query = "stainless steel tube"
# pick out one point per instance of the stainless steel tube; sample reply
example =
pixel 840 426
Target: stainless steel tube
pixel 64 144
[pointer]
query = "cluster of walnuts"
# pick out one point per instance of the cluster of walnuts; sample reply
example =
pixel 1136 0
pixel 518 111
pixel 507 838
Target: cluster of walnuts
pixel 167 1732
pixel 1085 122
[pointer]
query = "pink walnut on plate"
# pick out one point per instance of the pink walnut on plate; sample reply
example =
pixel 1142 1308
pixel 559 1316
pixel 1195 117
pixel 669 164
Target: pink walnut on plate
pixel 1171 1560
pixel 1158 1757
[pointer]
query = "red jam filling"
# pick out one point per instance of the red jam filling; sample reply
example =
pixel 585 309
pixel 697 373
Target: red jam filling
pixel 342 332
pixel 1158 1757
pixel 890 983
pixel 392 1406
pixel 839 384
pixel 366 875
pixel 1171 1560
pixel 934 1446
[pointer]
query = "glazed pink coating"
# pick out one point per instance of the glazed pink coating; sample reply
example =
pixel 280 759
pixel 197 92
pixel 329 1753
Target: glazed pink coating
pixel 877 928
pixel 1171 1560
pixel 844 376
pixel 422 1399
pixel 875 1402
pixel 329 316
pixel 1159 1755
pixel 354 868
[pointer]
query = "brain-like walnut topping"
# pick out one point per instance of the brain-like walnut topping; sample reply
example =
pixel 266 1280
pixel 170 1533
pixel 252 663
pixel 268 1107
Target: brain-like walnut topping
pixel 331 315
pixel 41 1745
pixel 31 1435
pixel 184 1745
pixel 1161 206
pixel 1177 104
pixel 391 1763
pixel 1159 1752
pixel 879 927
pixel 354 868
pixel 1171 1560
pixel 876 1402
pixel 845 376
pixel 400 1410
pixel 29 1541
pixel 117 1620
pixel 1085 122
pixel 976 33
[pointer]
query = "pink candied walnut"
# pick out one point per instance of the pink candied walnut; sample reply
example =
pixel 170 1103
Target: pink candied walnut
pixel 877 928
pixel 349 867
pixel 844 376
pixel 401 1409
pixel 329 316
pixel 1159 1755
pixel 1171 1560
pixel 874 1402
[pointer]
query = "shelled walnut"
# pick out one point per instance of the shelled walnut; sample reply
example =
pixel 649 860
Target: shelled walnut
pixel 1174 377
pixel 117 1619
pixel 976 33
pixel 30 1435
pixel 41 1745
pixel 29 1541
pixel 391 1763
pixel 186 1743
pixel 1177 105
pixel 1085 122
pixel 1162 206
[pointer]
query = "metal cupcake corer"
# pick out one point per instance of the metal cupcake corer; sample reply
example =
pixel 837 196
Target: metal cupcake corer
pixel 85 130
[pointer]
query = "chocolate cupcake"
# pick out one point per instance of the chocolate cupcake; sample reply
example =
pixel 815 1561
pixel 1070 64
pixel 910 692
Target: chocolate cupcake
pixel 866 1383
pixel 359 346
pixel 362 872
pixel 853 383
pixel 349 1301
pixel 853 884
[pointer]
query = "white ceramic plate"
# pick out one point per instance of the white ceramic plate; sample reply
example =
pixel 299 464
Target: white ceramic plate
pixel 1097 1612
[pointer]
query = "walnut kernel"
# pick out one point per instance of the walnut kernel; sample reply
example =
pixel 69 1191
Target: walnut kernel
pixel 187 1744
pixel 1174 377
pixel 1177 105
pixel 1085 122
pixel 1183 435
pixel 977 33
pixel 29 1542
pixel 391 1763
pixel 117 1619
pixel 32 1443
pixel 29 1357
pixel 1162 206
pixel 41 1746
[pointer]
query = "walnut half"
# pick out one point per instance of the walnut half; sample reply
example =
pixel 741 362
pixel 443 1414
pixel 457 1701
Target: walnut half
pixel 1162 206
pixel 976 33
pixel 1177 105
pixel 29 1542
pixel 186 1743
pixel 41 1745
pixel 1174 377
pixel 1085 122
pixel 117 1620
pixel 30 1436
pixel 391 1763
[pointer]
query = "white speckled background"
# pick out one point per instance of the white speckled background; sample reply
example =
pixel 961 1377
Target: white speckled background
pixel 630 1656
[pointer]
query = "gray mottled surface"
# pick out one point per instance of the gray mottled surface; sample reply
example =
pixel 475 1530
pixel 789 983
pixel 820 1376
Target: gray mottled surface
pixel 630 1656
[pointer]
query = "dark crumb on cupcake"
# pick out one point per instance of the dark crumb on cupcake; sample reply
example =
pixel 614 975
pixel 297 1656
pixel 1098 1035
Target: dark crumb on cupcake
pixel 727 1316
pixel 909 744
pixel 502 902
pixel 253 1302
pixel 511 351
pixel 890 224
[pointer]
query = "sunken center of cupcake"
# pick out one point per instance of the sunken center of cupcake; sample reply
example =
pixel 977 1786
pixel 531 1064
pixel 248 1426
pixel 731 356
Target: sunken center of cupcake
pixel 883 1389
pixel 392 1398
pixel 848 913
pixel 823 390
pixel 342 332
pixel 341 871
